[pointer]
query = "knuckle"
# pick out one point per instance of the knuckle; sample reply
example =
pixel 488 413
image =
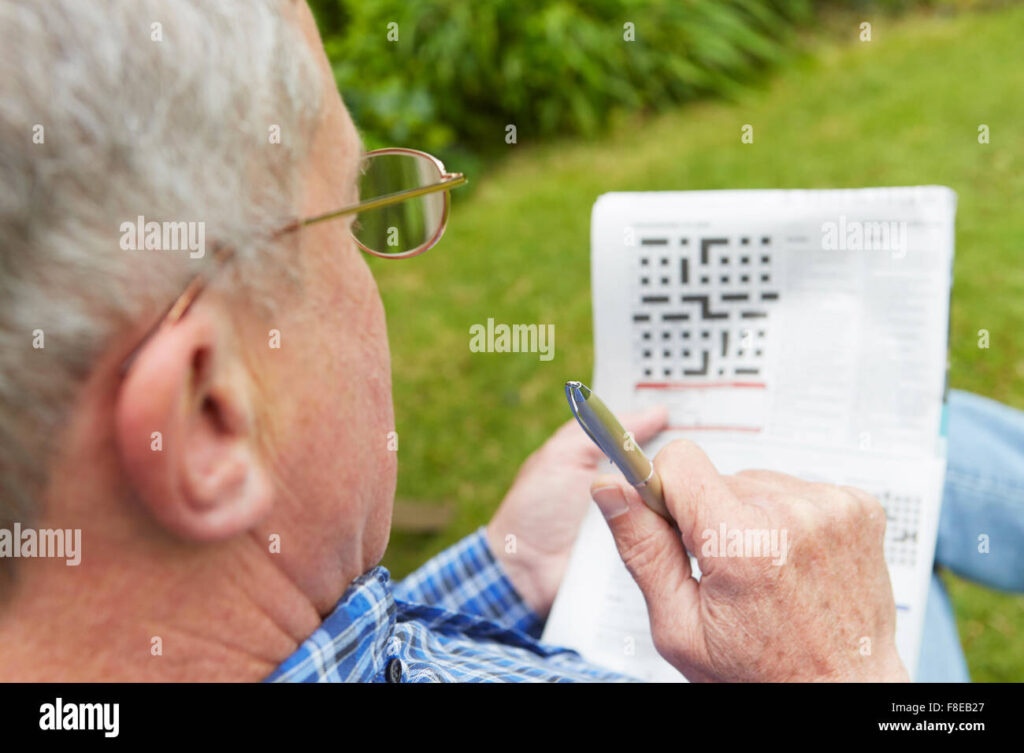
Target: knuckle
pixel 763 475
pixel 826 494
pixel 687 475
pixel 747 490
pixel 674 455
pixel 804 515
pixel 861 504
pixel 872 511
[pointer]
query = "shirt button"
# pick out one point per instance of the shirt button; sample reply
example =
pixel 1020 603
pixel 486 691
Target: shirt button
pixel 394 670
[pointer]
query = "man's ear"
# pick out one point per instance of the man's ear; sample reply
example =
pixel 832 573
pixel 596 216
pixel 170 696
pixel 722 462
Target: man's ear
pixel 185 431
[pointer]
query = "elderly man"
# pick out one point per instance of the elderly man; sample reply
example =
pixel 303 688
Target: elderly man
pixel 227 460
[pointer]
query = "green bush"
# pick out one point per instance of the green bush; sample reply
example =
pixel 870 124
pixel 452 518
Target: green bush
pixel 460 72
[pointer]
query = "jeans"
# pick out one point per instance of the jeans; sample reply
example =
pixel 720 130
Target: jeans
pixel 983 497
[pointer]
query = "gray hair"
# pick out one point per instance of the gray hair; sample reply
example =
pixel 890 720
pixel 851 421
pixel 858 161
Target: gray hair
pixel 110 111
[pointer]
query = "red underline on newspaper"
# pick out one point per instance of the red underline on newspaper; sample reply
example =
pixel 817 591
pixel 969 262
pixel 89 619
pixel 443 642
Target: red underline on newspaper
pixel 713 428
pixel 697 385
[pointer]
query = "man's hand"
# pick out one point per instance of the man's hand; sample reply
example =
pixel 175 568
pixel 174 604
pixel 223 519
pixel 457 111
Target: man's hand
pixel 823 610
pixel 545 507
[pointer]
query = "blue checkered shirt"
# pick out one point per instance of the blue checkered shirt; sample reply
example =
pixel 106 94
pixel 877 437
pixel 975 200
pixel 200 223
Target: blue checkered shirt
pixel 456 619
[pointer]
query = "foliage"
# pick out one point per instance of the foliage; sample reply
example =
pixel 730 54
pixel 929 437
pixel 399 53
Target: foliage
pixel 460 72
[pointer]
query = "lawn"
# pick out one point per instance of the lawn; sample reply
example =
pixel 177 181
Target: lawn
pixel 902 109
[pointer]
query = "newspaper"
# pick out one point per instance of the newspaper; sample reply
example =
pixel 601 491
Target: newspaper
pixel 803 331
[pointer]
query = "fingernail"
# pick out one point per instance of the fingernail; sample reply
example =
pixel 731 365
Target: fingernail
pixel 610 501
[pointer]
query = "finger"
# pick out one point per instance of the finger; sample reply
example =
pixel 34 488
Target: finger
pixel 873 508
pixel 573 442
pixel 820 494
pixel 643 426
pixel 649 546
pixel 860 494
pixel 759 488
pixel 696 494
pixel 750 489
pixel 766 477
pixel 646 425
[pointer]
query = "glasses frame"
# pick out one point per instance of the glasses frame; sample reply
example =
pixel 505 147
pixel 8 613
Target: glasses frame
pixel 222 254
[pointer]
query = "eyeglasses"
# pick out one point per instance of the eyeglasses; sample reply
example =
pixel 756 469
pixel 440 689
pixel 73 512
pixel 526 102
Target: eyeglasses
pixel 406 217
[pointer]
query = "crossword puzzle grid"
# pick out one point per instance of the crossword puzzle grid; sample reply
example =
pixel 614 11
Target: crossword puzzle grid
pixel 902 512
pixel 701 306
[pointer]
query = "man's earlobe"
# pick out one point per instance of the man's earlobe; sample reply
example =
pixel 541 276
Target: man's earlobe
pixel 185 432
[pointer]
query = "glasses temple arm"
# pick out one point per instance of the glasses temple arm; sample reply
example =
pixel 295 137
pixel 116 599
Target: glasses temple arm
pixel 449 182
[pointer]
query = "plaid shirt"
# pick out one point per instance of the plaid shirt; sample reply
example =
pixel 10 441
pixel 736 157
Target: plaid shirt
pixel 456 619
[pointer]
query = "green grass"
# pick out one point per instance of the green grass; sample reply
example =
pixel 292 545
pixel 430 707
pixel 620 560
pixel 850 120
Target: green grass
pixel 902 109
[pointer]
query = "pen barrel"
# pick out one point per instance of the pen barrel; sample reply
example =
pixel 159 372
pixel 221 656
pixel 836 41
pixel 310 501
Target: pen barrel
pixel 620 448
pixel 614 440
pixel 653 496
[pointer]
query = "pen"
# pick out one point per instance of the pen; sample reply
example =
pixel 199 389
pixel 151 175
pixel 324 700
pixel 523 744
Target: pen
pixel 601 425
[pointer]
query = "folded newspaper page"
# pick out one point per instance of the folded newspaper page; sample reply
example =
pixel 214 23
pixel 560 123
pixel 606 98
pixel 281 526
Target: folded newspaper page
pixel 803 331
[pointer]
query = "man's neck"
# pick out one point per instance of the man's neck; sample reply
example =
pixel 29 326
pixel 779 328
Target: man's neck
pixel 128 614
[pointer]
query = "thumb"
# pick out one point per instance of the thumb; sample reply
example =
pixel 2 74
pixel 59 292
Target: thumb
pixel 651 549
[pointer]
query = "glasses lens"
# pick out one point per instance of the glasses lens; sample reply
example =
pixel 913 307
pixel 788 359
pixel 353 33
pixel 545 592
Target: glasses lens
pixel 408 225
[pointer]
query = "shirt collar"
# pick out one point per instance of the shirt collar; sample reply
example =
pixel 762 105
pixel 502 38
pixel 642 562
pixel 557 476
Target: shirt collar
pixel 350 644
